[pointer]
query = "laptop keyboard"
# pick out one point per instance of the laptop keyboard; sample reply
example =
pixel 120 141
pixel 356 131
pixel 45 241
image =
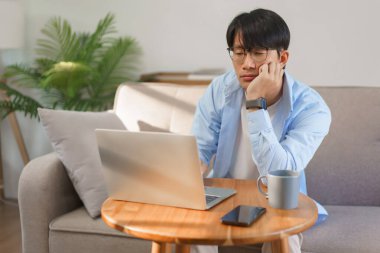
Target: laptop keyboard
pixel 210 198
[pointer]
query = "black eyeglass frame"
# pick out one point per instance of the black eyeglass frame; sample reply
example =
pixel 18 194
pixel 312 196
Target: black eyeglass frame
pixel 246 51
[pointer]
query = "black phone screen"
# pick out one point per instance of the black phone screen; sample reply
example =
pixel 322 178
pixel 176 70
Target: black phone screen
pixel 243 215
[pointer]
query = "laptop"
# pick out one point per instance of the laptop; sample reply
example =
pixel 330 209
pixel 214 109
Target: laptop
pixel 155 168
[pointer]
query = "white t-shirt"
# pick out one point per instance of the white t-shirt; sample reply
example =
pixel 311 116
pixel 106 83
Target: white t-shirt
pixel 244 166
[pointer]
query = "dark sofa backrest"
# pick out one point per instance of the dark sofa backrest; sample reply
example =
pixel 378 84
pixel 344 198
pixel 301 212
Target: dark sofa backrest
pixel 346 168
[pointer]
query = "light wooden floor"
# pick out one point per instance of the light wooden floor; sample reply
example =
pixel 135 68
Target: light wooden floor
pixel 10 230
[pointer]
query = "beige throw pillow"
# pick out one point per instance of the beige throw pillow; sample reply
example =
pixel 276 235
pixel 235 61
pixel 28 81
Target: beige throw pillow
pixel 73 138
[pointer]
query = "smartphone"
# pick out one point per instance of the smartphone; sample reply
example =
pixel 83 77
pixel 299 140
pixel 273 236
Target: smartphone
pixel 243 215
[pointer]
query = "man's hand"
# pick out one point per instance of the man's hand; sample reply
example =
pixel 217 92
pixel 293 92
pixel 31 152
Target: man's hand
pixel 204 168
pixel 268 84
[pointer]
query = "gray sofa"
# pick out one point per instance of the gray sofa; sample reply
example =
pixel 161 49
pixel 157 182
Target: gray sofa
pixel 343 176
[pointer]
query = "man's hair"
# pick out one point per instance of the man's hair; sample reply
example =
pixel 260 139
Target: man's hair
pixel 259 28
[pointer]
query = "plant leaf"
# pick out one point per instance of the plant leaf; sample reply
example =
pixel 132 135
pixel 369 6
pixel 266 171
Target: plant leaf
pixel 96 40
pixel 17 102
pixel 67 77
pixel 22 75
pixel 61 44
pixel 111 68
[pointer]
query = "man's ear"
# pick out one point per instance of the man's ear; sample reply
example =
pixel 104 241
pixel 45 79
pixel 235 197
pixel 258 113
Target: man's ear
pixel 284 56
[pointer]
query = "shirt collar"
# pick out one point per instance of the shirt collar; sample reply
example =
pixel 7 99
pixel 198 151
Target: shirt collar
pixel 285 106
pixel 233 84
pixel 287 94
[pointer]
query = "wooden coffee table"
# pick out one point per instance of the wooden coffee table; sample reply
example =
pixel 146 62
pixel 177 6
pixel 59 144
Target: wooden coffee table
pixel 169 225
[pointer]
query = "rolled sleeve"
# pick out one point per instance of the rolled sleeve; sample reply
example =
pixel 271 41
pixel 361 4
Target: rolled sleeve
pixel 258 121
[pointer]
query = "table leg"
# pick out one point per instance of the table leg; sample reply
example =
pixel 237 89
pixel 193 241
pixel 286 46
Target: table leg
pixel 161 247
pixel 280 246
pixel 182 248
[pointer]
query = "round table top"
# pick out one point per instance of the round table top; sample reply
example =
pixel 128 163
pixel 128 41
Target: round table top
pixel 186 226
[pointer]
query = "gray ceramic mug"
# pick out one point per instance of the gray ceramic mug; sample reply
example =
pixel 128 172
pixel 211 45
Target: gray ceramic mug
pixel 283 188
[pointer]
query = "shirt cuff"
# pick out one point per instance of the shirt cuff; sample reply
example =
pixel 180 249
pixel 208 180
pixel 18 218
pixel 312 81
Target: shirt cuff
pixel 258 121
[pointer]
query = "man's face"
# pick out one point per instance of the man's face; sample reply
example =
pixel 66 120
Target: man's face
pixel 248 69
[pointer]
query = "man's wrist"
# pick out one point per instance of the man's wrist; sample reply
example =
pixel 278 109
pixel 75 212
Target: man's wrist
pixel 252 96
pixel 253 110
pixel 260 103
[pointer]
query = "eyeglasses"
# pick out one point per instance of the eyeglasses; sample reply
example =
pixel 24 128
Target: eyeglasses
pixel 238 54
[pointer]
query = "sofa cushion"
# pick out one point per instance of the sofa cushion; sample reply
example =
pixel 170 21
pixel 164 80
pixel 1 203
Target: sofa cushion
pixel 344 170
pixel 347 229
pixel 157 107
pixel 77 232
pixel 78 221
pixel 73 138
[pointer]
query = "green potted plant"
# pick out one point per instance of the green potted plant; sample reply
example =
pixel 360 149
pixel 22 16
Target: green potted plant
pixel 73 70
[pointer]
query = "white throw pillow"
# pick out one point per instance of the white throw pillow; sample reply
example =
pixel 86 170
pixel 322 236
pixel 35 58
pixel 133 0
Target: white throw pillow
pixel 73 138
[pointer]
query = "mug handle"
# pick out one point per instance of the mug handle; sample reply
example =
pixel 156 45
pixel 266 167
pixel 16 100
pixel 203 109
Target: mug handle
pixel 259 186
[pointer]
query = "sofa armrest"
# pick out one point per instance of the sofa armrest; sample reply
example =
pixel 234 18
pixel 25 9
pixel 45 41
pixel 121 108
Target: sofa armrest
pixel 45 192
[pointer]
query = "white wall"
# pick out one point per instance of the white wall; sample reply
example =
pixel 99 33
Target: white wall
pixel 333 42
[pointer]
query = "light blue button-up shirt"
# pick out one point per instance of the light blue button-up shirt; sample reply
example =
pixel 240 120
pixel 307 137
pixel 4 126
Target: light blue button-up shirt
pixel 289 141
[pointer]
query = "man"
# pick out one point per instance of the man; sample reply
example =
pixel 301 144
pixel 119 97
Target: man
pixel 257 118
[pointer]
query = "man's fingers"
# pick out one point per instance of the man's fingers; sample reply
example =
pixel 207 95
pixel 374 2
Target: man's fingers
pixel 264 68
pixel 274 69
pixel 278 71
pixel 270 68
